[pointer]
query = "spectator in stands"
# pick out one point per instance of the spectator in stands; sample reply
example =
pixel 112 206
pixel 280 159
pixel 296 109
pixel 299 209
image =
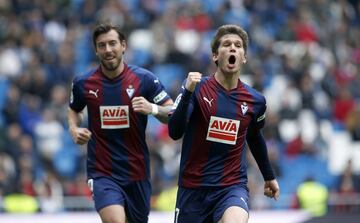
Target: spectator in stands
pixel 312 196
pixel 348 187
pixel 352 123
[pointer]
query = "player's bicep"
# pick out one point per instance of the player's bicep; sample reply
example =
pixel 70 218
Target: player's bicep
pixel 77 102
pixel 259 116
pixel 156 92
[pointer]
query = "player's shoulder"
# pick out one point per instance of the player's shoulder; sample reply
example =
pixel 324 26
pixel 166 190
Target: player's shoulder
pixel 84 76
pixel 140 71
pixel 258 96
pixel 207 79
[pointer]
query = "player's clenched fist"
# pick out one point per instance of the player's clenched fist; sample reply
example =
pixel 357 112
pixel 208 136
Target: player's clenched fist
pixel 271 189
pixel 141 105
pixel 192 79
pixel 80 135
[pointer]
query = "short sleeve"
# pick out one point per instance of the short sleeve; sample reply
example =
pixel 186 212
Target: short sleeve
pixel 77 102
pixel 157 92
pixel 259 116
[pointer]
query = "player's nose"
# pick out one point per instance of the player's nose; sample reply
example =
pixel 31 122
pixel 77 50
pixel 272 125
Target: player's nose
pixel 107 48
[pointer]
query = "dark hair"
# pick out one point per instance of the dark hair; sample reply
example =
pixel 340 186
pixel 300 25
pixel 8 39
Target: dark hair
pixel 229 29
pixel 105 28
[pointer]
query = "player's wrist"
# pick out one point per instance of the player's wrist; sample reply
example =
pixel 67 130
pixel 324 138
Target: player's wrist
pixel 154 109
pixel 72 129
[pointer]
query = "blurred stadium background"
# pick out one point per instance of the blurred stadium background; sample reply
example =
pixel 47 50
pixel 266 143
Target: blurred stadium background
pixel 304 56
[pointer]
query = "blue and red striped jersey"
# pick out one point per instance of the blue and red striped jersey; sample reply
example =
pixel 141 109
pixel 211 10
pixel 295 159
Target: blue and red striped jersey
pixel 117 147
pixel 217 121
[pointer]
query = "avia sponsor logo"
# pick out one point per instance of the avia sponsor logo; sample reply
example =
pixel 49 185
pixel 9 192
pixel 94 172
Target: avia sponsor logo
pixel 223 130
pixel 114 117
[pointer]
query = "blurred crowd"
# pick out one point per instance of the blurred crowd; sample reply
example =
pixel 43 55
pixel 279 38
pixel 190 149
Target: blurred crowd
pixel 304 56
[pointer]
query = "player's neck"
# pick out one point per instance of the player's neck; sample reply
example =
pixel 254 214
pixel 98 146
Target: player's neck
pixel 228 81
pixel 111 74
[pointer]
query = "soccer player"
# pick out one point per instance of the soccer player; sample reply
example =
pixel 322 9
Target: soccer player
pixel 118 97
pixel 217 115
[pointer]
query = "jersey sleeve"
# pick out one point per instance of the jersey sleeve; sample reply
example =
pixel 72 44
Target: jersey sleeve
pixel 259 114
pixel 157 93
pixel 258 148
pixel 180 113
pixel 77 101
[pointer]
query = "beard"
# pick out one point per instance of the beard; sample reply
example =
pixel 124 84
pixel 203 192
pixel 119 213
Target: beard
pixel 111 66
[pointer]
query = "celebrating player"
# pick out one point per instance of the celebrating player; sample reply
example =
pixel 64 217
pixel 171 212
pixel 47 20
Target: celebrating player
pixel 118 97
pixel 217 115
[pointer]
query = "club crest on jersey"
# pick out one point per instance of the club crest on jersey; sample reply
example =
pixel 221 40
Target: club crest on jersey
pixel 223 130
pixel 114 117
pixel 130 91
pixel 244 108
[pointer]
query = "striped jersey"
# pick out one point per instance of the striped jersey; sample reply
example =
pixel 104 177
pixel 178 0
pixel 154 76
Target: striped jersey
pixel 214 143
pixel 117 147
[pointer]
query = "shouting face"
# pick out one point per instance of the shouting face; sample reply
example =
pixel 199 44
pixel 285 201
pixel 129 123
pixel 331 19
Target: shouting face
pixel 110 50
pixel 231 54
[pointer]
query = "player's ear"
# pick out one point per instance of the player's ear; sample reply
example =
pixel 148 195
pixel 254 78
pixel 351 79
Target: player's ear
pixel 244 60
pixel 95 50
pixel 215 58
pixel 123 44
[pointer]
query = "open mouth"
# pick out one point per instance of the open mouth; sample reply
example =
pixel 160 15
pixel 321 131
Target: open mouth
pixel 109 58
pixel 232 59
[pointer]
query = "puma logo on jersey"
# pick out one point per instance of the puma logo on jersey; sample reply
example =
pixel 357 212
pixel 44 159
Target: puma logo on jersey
pixel 94 92
pixel 207 100
pixel 223 130
pixel 244 201
pixel 114 117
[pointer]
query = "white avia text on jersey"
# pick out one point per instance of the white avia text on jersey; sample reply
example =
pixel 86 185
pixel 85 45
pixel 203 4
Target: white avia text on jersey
pixel 114 117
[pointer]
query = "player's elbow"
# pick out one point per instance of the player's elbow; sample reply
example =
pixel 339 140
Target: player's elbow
pixel 174 130
pixel 174 134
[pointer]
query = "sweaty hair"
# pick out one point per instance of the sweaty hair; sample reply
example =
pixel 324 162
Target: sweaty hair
pixel 105 28
pixel 229 29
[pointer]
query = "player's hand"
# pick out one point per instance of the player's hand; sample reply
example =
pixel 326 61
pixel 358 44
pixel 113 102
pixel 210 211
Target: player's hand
pixel 80 135
pixel 271 189
pixel 141 105
pixel 192 79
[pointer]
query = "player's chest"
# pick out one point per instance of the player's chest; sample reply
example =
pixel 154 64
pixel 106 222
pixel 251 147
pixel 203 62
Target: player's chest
pixel 97 94
pixel 231 106
pixel 223 116
pixel 111 104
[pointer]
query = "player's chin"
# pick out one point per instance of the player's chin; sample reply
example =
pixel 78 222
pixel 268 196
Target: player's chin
pixel 231 68
pixel 110 65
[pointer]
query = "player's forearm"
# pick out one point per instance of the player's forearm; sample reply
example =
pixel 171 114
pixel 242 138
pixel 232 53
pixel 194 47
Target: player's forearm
pixel 163 113
pixel 178 120
pixel 258 148
pixel 74 119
